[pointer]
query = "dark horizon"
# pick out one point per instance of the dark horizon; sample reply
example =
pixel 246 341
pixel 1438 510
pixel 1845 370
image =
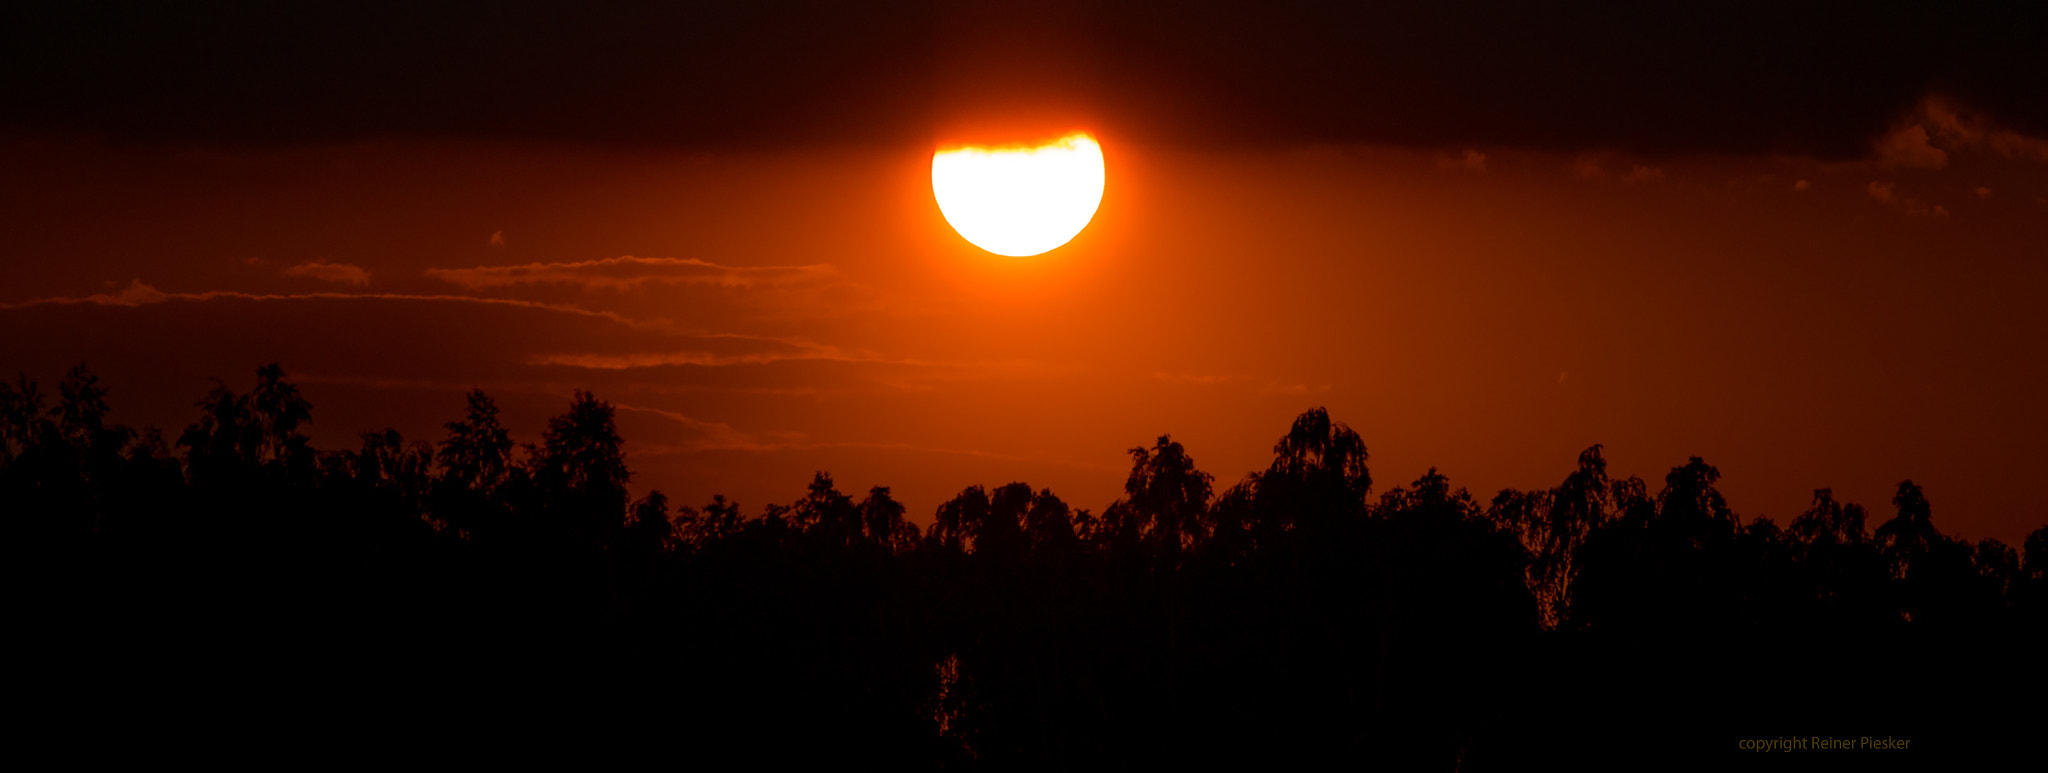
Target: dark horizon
pixel 25 401
pixel 1413 624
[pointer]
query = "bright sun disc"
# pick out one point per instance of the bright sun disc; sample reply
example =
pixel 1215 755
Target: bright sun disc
pixel 1020 201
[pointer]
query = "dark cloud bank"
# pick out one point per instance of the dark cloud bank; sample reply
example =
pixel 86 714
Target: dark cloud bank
pixel 1821 79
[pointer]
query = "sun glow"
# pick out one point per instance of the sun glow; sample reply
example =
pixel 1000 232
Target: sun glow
pixel 1020 201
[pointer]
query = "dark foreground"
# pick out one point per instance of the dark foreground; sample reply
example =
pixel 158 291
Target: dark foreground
pixel 236 594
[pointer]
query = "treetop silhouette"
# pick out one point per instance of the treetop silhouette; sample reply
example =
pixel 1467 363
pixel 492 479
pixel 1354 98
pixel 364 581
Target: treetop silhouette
pixel 1016 630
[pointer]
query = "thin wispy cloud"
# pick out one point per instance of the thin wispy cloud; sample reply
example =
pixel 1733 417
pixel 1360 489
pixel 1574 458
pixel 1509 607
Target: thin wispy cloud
pixel 708 347
pixel 340 273
pixel 139 293
pixel 628 272
pixel 711 435
pixel 698 358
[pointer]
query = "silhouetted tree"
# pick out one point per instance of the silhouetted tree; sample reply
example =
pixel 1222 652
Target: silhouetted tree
pixel 221 443
pixel 240 435
pixel 1998 564
pixel 1553 525
pixel 719 520
pixel 478 452
pixel 1179 628
pixel 1830 522
pixel 1691 505
pixel 827 514
pixel 881 519
pixel 1910 533
pixel 1840 566
pixel 1430 496
pixel 774 525
pixel 2035 565
pixel 1318 480
pixel 1318 450
pixel 388 462
pixel 1166 500
pixel 1935 576
pixel 277 412
pixel 81 418
pixel 1000 534
pixel 22 425
pixel 476 470
pixel 1049 528
pixel 958 521
pixel 580 471
pixel 1231 519
pixel 651 530
pixel 1577 507
pixel 1090 529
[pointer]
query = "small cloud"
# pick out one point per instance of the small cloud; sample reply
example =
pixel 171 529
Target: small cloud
pixel 1983 192
pixel 1801 185
pixel 1889 194
pixel 1643 174
pixel 1587 168
pixel 1959 129
pixel 1473 161
pixel 715 435
pixel 497 238
pixel 135 294
pixel 1936 130
pixel 1910 147
pixel 252 261
pixel 1562 375
pixel 331 272
pixel 647 360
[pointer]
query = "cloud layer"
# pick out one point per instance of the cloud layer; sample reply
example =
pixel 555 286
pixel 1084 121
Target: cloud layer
pixel 1657 78
pixel 627 272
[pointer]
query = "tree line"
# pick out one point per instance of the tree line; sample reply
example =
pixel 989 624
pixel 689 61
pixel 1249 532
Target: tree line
pixel 1293 615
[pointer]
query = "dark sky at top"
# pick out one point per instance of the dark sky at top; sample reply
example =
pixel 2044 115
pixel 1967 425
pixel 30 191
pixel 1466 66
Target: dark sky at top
pixel 1818 79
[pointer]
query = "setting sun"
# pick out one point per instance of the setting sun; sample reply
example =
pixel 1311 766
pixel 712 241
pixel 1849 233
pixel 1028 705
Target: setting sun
pixel 1020 201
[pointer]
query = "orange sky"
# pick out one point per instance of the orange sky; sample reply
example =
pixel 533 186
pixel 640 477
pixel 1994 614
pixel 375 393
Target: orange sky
pixel 1486 311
